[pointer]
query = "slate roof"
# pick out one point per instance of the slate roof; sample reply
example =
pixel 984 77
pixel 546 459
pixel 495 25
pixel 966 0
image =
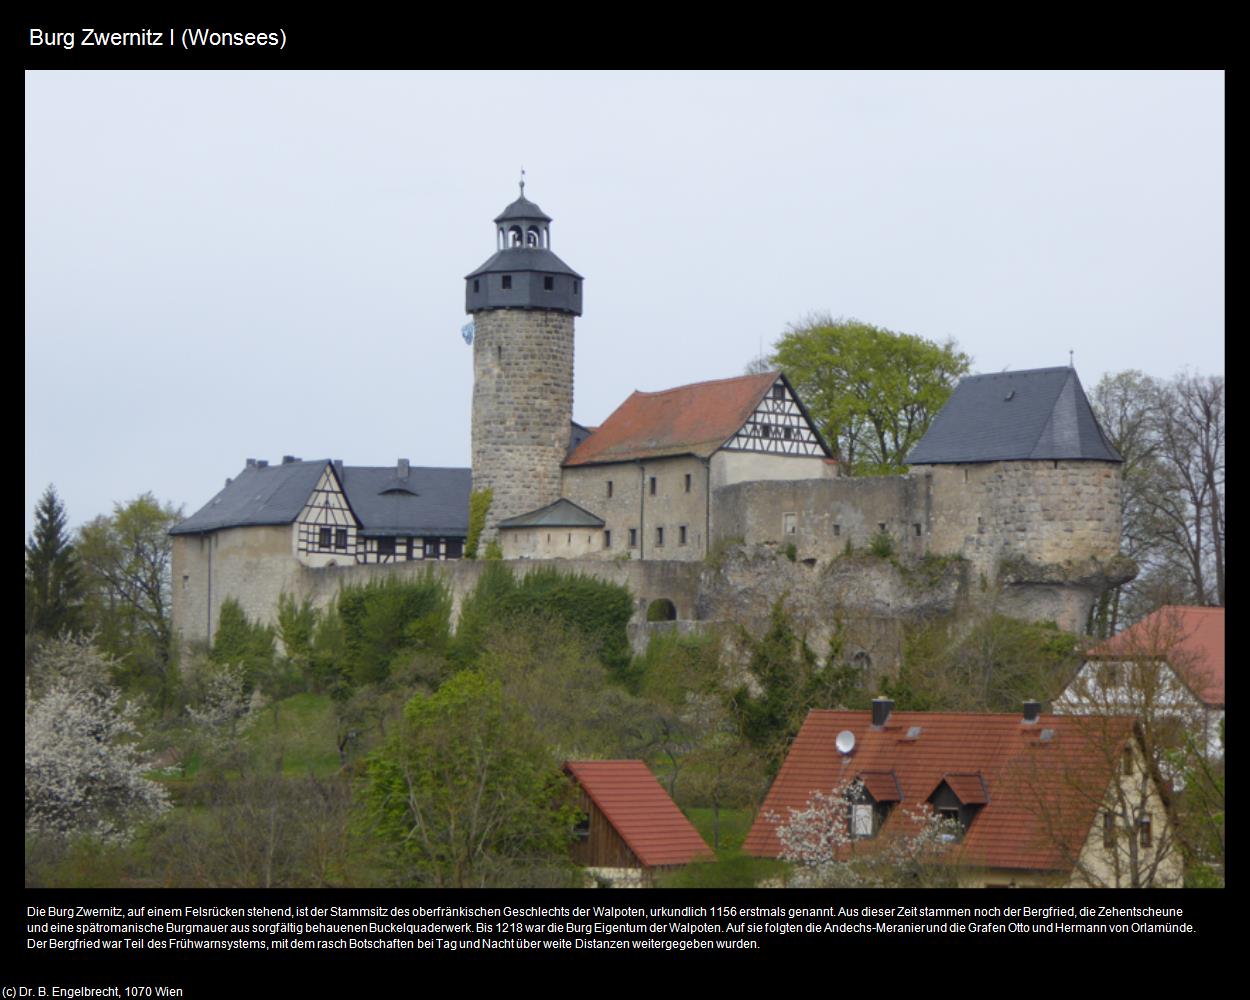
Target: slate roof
pixel 689 420
pixel 523 259
pixel 1190 638
pixel 1008 416
pixel 437 504
pixel 273 494
pixel 635 803
pixel 522 208
pixel 440 505
pixel 561 514
pixel 997 758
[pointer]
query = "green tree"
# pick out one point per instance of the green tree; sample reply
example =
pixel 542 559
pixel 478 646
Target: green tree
pixel 467 795
pixel 53 581
pixel 126 562
pixel 784 669
pixel 387 621
pixel 872 391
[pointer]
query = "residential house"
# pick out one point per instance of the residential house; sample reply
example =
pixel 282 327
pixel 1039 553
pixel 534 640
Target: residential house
pixel 1037 800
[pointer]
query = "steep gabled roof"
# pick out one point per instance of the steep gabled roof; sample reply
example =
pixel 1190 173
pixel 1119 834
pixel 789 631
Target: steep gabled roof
pixel 634 802
pixel 426 501
pixel 1007 416
pixel 689 420
pixel 259 495
pixel 561 514
pixel 1038 786
pixel 1191 639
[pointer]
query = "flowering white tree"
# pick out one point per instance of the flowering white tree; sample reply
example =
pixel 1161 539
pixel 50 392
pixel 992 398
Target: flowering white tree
pixel 819 841
pixel 83 771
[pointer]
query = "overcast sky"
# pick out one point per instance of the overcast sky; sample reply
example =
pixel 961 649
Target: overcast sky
pixel 226 265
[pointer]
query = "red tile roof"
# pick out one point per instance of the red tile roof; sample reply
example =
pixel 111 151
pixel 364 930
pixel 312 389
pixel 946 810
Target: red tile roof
pixel 1190 639
pixel 1040 795
pixel 689 420
pixel 637 806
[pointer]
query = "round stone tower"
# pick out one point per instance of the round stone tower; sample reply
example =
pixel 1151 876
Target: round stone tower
pixel 523 300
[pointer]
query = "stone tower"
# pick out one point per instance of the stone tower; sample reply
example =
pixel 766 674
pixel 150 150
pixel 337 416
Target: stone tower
pixel 523 300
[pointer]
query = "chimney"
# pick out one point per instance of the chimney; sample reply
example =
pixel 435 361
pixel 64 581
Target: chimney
pixel 338 467
pixel 881 709
pixel 290 459
pixel 401 469
pixel 251 463
pixel 1032 712
pixel 262 463
pixel 228 480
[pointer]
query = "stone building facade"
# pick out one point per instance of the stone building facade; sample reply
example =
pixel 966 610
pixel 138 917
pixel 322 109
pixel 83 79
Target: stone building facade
pixel 1014 482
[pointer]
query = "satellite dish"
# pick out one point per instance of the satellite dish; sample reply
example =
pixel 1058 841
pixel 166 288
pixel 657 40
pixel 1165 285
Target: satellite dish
pixel 466 332
pixel 845 742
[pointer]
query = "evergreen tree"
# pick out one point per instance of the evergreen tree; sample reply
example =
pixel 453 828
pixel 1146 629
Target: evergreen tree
pixel 53 583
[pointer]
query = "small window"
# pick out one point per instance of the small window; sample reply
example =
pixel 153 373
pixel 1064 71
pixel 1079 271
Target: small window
pixel 340 538
pixel 688 482
pixel 681 535
pixel 916 529
pixel 577 287
pixel 324 538
pixel 779 391
pixel 507 281
pixel 581 829
pixel 609 489
pixel 837 530
pixel 787 432
pixel 766 430
pixel 790 524
pixel 659 536
pixel 431 548
pixel 633 538
pixel 881 526
pixel 455 548
pixel 607 539
pixel 1108 829
pixel 653 485
pixel 861 819
pixel 386 546
pixel 186 583
pixel 569 539
pixel 477 284
pixel 549 283
pixel 1144 826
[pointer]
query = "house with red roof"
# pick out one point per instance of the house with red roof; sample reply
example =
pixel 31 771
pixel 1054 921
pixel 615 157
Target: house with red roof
pixel 1168 668
pixel 1030 799
pixel 631 828
pixel 641 484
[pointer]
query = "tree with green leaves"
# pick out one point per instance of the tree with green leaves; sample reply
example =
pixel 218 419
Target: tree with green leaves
pixel 872 391
pixel 126 564
pixel 467 795
pixel 53 580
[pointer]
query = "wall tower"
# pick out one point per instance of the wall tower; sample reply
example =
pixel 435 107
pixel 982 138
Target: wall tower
pixel 522 300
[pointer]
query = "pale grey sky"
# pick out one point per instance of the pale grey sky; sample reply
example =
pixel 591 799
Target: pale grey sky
pixel 230 264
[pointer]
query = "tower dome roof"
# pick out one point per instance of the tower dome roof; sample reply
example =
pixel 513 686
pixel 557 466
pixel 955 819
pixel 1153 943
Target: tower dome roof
pixel 522 208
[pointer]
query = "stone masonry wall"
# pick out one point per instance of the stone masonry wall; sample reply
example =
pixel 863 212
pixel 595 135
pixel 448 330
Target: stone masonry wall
pixel 830 516
pixel 1042 512
pixel 248 567
pixel 522 407
pixel 632 505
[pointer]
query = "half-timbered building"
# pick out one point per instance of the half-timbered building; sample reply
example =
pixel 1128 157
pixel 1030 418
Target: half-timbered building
pixel 341 515
pixel 650 471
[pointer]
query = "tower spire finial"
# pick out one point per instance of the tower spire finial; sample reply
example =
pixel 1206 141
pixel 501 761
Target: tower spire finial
pixel 522 182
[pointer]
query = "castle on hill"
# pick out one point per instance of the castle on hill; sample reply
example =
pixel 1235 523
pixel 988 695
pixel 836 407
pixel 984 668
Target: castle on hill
pixel 1014 477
